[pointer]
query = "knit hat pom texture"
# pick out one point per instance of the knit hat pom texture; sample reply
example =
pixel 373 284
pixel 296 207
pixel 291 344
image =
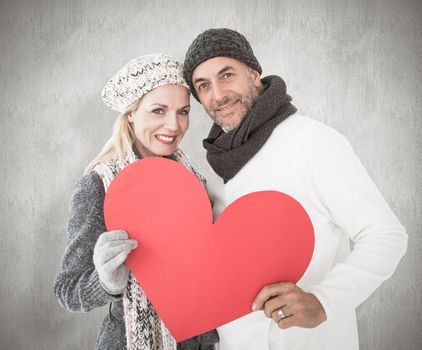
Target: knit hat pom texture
pixel 140 76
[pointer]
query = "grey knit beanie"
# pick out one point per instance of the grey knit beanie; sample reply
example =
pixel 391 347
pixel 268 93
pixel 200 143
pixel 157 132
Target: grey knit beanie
pixel 218 42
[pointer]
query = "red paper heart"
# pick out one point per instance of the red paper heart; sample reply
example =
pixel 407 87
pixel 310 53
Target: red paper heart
pixel 200 275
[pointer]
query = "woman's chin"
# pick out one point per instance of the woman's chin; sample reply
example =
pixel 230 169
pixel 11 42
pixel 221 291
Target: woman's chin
pixel 165 151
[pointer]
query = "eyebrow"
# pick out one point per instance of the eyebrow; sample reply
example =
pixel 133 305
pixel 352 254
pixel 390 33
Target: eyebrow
pixel 221 71
pixel 165 106
pixel 224 70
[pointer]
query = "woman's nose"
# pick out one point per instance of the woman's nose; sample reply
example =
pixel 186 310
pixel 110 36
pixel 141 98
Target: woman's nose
pixel 172 122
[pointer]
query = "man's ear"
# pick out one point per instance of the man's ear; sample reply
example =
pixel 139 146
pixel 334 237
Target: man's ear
pixel 256 77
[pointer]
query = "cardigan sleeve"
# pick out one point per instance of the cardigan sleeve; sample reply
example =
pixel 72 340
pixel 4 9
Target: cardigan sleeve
pixel 339 185
pixel 77 285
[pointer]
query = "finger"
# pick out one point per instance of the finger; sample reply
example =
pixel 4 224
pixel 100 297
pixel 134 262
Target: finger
pixel 270 291
pixel 108 245
pixel 116 262
pixel 286 311
pixel 111 236
pixel 105 255
pixel 108 253
pixel 287 298
pixel 290 298
pixel 273 305
pixel 104 252
pixel 288 322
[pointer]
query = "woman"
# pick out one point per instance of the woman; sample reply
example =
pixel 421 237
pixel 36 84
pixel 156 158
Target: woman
pixel 153 99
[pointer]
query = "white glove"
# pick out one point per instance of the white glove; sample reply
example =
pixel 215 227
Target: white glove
pixel 110 253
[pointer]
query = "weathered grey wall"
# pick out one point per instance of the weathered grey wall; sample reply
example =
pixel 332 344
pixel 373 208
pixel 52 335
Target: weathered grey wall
pixel 355 65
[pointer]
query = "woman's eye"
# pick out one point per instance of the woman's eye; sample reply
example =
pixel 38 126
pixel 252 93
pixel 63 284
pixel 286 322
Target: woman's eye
pixel 184 112
pixel 158 111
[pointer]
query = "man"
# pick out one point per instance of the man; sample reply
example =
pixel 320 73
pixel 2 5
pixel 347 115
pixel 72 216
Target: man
pixel 259 142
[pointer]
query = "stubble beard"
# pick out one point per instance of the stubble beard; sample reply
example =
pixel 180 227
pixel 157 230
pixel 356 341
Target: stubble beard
pixel 246 104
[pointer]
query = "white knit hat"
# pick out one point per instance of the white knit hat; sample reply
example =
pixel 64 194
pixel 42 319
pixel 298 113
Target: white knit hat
pixel 140 76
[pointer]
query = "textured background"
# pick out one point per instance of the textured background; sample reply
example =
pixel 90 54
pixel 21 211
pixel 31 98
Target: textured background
pixel 355 65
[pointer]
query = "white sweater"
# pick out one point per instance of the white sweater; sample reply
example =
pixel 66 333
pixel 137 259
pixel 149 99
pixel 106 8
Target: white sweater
pixel 316 165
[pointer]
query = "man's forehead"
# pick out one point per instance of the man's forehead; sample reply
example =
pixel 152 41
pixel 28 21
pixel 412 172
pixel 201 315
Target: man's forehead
pixel 214 66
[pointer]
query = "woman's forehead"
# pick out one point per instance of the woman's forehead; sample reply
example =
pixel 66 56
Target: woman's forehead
pixel 167 95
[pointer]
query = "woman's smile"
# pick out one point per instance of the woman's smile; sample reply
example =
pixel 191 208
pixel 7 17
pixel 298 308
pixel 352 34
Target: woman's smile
pixel 166 139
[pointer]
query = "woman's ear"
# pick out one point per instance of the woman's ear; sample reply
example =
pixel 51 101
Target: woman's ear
pixel 130 117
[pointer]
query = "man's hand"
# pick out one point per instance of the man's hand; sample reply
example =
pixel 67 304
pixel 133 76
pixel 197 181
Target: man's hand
pixel 300 308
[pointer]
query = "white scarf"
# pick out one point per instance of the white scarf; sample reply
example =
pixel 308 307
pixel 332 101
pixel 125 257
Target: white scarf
pixel 144 329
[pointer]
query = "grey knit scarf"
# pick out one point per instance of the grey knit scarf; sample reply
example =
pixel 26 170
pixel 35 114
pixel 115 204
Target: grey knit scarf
pixel 228 152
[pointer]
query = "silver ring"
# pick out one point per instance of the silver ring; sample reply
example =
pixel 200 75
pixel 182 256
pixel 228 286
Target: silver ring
pixel 281 313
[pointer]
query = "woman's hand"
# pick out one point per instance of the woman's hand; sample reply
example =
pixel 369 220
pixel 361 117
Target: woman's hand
pixel 110 253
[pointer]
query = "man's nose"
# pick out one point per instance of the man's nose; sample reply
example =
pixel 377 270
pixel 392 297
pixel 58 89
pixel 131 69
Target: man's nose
pixel 218 92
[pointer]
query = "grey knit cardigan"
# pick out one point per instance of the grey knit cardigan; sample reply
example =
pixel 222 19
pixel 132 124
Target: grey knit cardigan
pixel 77 285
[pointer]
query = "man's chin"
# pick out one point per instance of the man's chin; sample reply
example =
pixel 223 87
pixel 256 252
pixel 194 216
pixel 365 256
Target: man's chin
pixel 227 125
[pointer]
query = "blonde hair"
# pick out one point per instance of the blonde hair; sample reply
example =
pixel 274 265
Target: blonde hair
pixel 121 141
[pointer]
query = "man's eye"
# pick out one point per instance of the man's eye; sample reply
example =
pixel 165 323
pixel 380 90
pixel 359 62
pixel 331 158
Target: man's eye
pixel 202 86
pixel 227 75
